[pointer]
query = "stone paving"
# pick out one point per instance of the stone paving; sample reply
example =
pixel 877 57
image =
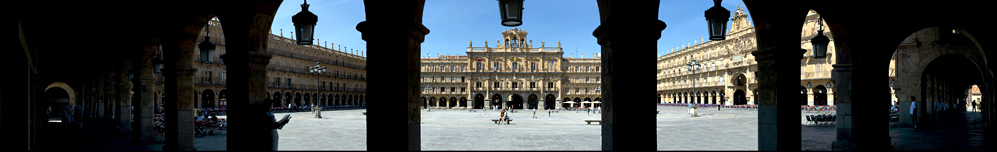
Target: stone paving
pixel 727 129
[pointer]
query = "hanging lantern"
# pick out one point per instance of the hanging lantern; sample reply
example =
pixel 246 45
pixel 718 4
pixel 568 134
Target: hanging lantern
pixel 304 23
pixel 820 41
pixel 716 18
pixel 512 12
pixel 158 63
pixel 207 48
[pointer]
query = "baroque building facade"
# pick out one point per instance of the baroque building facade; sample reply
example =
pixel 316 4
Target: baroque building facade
pixel 513 74
pixel 290 82
pixel 728 69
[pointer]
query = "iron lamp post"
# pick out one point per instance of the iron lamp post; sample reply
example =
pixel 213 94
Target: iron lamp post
pixel 317 70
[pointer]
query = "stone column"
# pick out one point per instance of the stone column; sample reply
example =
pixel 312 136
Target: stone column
pixel 778 45
pixel 860 122
pixel 397 124
pixel 145 82
pixel 179 83
pixel 124 102
pixel 632 27
pixel 108 102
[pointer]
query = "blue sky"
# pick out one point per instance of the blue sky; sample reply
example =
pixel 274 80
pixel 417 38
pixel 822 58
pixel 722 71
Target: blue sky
pixel 454 23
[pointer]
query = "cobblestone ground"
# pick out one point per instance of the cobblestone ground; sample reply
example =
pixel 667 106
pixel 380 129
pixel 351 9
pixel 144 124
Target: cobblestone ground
pixel 727 129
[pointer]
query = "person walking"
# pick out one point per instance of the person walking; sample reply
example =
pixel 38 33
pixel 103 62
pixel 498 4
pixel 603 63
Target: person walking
pixel 78 116
pixel 534 113
pixel 67 116
pixel 548 112
pixel 974 105
pixel 913 111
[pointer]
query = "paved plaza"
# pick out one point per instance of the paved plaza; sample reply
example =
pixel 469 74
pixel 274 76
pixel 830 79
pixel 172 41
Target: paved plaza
pixel 727 129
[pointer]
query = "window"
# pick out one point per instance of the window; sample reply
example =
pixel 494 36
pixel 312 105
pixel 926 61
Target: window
pixel 453 89
pixel 452 68
pixel 533 85
pixel 463 68
pixel 533 66
pixel 276 82
pixel 550 85
pixel 596 79
pixel 577 68
pixel 206 56
pixel 515 66
pixel 477 84
pixel 223 77
pixel 337 86
pixel 442 78
pixel 586 79
pixel 462 89
pixel 496 85
pixel 514 84
pixel 462 79
pixel 479 66
pixel 496 66
pixel 576 90
pixel 207 77
pixel 288 82
pixel 452 79
pixel 442 68
pixel 597 69
pixel 586 68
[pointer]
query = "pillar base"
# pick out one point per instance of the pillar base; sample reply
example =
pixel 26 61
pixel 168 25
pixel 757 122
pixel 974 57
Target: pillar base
pixel 842 146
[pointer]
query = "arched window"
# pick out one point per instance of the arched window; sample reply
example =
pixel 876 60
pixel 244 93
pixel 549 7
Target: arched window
pixel 496 66
pixel 479 66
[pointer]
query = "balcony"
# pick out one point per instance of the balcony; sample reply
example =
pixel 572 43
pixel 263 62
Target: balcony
pixel 209 81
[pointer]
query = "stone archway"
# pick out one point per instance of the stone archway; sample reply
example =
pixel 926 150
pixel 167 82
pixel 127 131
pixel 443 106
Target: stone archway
pixel 70 93
pixel 532 101
pixel 820 95
pixel 739 97
pixel 549 102
pixel 516 102
pixel 479 101
pixel 207 98
pixel 497 101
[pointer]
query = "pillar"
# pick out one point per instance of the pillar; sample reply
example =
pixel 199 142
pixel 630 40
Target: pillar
pixel 178 52
pixel 145 82
pixel 397 124
pixel 629 27
pixel 778 32
pixel 247 58
pixel 124 102
pixel 107 103
pixel 860 93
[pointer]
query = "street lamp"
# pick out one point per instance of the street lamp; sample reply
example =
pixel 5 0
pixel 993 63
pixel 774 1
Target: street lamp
pixel 693 66
pixel 317 70
pixel 206 47
pixel 512 12
pixel 716 18
pixel 158 63
pixel 820 41
pixel 304 23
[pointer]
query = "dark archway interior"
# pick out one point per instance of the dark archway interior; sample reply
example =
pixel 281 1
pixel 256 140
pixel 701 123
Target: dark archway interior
pixel 497 101
pixel 739 97
pixel 517 102
pixel 533 101
pixel 479 101
pixel 549 102
pixel 820 95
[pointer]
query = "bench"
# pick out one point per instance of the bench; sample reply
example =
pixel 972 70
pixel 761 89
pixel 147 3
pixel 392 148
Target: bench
pixel 496 121
pixel 659 112
pixel 555 111
pixel 590 121
pixel 364 113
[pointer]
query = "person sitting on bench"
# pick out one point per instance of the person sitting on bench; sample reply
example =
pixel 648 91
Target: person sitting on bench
pixel 502 117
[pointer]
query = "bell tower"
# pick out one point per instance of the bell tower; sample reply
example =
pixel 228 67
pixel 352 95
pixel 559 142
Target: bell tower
pixel 514 39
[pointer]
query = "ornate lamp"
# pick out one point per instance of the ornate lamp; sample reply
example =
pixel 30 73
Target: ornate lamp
pixel 512 12
pixel 304 23
pixel 820 41
pixel 158 63
pixel 716 18
pixel 206 47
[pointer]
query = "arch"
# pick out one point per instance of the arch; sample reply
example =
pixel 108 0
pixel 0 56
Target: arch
pixel 479 101
pixel 297 99
pixel 70 93
pixel 739 80
pixel 432 102
pixel 453 102
pixel 803 95
pixel 820 95
pixel 223 98
pixel 739 97
pixel 566 102
pixel 497 101
pixel 57 98
pixel 424 102
pixel 713 95
pixel 288 97
pixel 578 102
pixel 597 102
pixel 532 101
pixel 462 101
pixel 516 102
pixel 549 101
pixel 207 98
pixel 277 99
pixel 306 99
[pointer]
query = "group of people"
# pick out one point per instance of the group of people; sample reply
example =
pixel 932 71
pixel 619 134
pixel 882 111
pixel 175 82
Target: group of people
pixel 72 118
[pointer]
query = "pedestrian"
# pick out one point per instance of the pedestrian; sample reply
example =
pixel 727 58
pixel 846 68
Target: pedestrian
pixel 548 112
pixel 48 113
pixel 974 105
pixel 78 116
pixel 534 113
pixel 913 111
pixel 67 116
pixel 690 108
pixel 272 135
pixel 587 112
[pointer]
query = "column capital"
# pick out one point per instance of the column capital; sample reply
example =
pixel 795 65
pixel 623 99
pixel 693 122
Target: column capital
pixel 372 29
pixel 626 27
